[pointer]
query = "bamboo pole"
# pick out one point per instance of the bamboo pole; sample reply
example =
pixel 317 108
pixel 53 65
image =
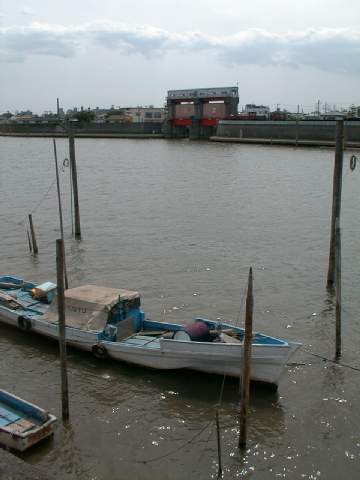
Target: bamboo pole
pixel 60 213
pixel 245 379
pixel 33 237
pixel 338 289
pixel 62 340
pixel 336 202
pixel 74 182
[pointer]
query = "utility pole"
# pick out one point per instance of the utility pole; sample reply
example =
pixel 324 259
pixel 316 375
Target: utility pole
pixel 74 182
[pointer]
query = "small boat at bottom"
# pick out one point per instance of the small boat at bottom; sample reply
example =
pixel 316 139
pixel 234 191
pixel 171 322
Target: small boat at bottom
pixel 110 323
pixel 22 424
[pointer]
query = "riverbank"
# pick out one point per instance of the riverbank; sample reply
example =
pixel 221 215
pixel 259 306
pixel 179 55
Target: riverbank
pixel 84 130
pixel 284 141
pixel 83 135
pixel 314 133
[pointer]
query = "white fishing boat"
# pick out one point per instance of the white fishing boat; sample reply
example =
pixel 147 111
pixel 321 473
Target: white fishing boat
pixel 22 424
pixel 110 323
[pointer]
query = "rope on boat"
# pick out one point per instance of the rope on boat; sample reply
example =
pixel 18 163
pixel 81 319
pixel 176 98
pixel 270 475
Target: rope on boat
pixel 241 306
pixel 64 165
pixel 197 434
pixel 217 405
pixel 43 197
pixel 37 206
pixel 181 446
pixel 331 360
pixel 221 391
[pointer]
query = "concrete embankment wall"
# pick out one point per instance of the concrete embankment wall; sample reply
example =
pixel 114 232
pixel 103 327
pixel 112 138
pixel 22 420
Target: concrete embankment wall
pixel 85 129
pixel 309 131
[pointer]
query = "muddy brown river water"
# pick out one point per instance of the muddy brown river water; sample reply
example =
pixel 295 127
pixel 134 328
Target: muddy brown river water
pixel 181 222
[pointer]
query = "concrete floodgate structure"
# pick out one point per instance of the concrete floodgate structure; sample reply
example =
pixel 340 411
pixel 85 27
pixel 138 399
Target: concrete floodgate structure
pixel 302 133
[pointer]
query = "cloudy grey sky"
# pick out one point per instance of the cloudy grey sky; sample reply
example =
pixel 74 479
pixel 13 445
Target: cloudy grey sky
pixel 127 52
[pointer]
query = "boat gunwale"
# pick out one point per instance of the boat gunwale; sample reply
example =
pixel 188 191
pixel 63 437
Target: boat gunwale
pixel 280 343
pixel 47 418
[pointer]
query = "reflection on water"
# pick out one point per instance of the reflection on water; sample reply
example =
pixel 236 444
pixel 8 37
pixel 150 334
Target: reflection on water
pixel 181 222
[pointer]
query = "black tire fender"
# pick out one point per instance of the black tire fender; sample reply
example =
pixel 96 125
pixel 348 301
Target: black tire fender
pixel 352 162
pixel 99 351
pixel 24 323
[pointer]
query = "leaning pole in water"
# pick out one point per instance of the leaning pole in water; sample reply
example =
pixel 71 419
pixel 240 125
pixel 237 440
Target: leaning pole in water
pixel 245 378
pixel 74 181
pixel 60 213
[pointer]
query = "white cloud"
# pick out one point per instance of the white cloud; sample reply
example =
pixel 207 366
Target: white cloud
pixel 334 50
pixel 17 42
pixel 27 11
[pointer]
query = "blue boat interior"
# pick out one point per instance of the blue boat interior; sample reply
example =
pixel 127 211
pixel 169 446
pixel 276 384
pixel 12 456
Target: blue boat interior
pixel 21 291
pixel 13 410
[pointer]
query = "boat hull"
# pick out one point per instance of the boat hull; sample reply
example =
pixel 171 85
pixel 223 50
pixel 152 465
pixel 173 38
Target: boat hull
pixel 22 442
pixel 267 361
pixel 23 424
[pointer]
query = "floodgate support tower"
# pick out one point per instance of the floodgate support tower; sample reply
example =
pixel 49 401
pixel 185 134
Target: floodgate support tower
pixel 195 113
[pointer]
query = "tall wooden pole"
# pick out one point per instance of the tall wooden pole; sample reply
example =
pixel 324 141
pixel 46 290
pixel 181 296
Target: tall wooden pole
pixel 33 237
pixel 218 438
pixel 297 127
pixel 338 289
pixel 245 380
pixel 62 340
pixel 74 182
pixel 336 202
pixel 29 241
pixel 60 213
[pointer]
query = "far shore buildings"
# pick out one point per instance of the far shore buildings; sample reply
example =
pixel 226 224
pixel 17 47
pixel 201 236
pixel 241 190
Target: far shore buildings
pixel 139 114
pixel 255 111
pixel 151 114
pixel 147 114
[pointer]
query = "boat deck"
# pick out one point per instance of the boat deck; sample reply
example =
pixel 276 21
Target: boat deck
pixel 14 421
pixel 27 305
pixel 142 341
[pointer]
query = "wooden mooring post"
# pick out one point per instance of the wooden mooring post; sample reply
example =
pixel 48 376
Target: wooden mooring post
pixel 218 438
pixel 245 379
pixel 33 237
pixel 297 127
pixel 74 182
pixel 338 288
pixel 336 202
pixel 29 241
pixel 62 339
